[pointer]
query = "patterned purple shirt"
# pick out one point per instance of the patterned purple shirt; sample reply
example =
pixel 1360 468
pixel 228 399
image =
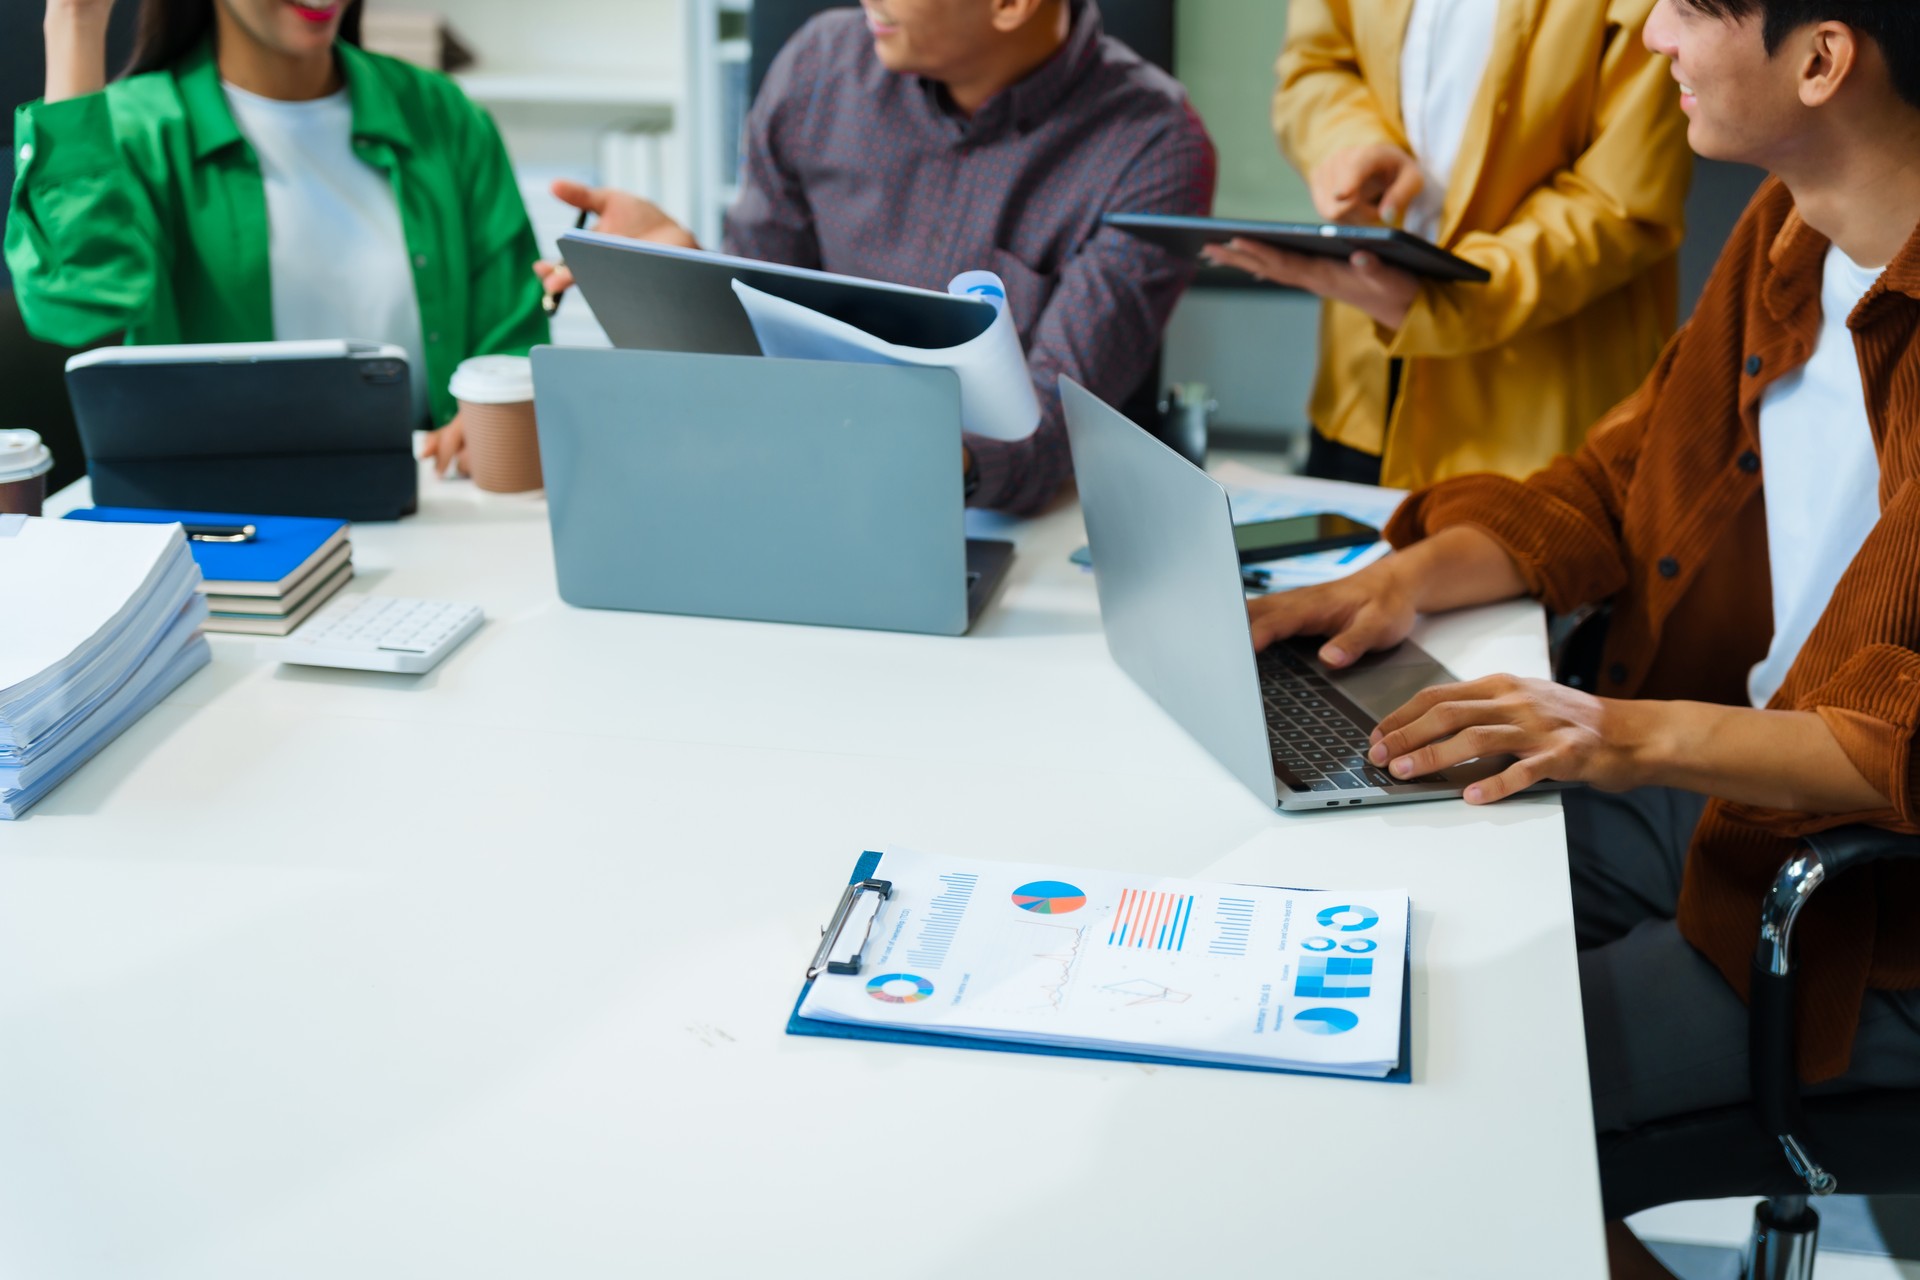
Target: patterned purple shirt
pixel 854 169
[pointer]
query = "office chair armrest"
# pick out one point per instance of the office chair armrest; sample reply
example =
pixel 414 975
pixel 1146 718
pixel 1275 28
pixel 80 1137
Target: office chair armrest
pixel 1844 848
pixel 1772 1040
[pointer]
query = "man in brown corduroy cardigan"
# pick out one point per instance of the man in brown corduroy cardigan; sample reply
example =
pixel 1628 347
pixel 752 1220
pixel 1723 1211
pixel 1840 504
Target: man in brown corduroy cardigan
pixel 1752 514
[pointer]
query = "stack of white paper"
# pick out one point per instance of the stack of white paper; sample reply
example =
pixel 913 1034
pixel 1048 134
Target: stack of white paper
pixel 101 622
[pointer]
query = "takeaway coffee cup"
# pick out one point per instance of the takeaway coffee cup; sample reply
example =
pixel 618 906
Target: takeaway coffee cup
pixel 24 463
pixel 496 407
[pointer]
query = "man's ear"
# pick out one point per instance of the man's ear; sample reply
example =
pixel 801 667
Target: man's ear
pixel 1831 57
pixel 1011 15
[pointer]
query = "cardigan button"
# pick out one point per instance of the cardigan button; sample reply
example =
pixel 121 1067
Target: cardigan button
pixel 1753 366
pixel 26 152
pixel 1669 567
pixel 1617 673
pixel 1749 462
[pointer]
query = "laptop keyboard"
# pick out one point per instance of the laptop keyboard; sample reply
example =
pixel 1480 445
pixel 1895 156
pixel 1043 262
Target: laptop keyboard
pixel 1319 738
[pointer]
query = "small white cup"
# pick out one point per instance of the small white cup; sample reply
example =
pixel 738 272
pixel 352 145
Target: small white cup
pixel 24 463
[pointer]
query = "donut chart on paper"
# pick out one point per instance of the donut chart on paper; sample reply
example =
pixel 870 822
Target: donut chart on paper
pixel 900 988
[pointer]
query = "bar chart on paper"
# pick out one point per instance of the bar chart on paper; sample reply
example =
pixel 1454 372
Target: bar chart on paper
pixel 942 920
pixel 1151 920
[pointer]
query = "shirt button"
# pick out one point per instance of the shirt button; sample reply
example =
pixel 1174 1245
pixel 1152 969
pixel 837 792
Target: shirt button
pixel 433 337
pixel 1669 567
pixel 1617 673
pixel 26 152
pixel 419 259
pixel 1753 366
pixel 1749 462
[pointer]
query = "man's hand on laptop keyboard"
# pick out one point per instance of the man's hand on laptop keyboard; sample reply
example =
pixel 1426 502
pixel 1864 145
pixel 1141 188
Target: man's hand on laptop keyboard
pixel 1375 608
pixel 1556 732
pixel 1370 610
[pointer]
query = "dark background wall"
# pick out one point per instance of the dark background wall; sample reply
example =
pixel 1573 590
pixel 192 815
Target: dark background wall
pixel 23 68
pixel 33 390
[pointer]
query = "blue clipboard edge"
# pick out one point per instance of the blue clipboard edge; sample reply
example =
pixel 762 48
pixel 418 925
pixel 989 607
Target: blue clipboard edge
pixel 870 862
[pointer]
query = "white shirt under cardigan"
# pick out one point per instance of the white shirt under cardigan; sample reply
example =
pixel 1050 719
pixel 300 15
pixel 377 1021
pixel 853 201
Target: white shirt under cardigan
pixel 337 251
pixel 1442 62
pixel 1822 476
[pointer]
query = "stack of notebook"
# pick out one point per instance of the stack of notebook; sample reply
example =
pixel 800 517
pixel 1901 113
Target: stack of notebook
pixel 261 584
pixel 99 623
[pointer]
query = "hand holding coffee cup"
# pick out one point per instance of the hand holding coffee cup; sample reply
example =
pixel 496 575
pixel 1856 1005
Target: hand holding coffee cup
pixel 496 414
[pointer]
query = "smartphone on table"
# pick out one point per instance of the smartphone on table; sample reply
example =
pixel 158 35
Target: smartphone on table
pixel 1300 535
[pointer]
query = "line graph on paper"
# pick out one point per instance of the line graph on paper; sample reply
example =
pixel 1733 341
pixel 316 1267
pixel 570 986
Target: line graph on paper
pixel 1054 951
pixel 1139 991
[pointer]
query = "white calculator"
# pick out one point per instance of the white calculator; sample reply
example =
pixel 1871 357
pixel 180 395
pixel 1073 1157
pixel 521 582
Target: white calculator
pixel 377 633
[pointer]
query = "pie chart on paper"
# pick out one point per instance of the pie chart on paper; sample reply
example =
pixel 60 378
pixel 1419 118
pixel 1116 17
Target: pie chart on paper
pixel 1049 897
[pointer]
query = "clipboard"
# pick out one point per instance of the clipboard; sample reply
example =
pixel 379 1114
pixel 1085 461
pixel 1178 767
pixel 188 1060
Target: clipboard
pixel 863 873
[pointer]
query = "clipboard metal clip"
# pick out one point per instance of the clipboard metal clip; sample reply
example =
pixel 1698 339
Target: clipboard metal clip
pixel 830 936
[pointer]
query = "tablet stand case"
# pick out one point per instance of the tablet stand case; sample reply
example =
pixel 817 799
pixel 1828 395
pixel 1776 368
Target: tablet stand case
pixel 328 436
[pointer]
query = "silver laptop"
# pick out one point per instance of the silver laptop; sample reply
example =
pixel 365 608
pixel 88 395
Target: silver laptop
pixel 742 487
pixel 658 297
pixel 1175 615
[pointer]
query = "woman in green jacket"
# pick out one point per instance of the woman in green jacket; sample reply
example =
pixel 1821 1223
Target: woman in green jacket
pixel 257 176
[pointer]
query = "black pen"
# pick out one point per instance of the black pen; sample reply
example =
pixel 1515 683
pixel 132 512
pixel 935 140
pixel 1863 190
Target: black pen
pixel 550 302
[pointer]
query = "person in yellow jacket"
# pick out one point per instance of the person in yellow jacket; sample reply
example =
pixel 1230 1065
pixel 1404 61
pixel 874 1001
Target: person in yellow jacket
pixel 1538 139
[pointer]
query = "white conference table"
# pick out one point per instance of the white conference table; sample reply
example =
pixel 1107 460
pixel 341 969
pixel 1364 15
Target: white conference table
pixel 485 973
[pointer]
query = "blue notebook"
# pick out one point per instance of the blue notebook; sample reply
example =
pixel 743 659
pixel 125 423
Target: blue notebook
pixel 284 549
pixel 870 862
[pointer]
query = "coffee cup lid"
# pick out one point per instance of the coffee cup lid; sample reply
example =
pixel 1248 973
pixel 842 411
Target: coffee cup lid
pixel 493 380
pixel 22 456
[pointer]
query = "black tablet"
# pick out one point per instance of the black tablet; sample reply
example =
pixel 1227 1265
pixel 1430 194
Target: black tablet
pixel 1327 240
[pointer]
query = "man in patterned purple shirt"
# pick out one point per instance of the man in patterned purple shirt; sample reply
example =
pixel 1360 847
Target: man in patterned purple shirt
pixel 912 140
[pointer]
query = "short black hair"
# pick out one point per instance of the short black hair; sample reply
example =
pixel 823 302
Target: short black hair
pixel 1894 25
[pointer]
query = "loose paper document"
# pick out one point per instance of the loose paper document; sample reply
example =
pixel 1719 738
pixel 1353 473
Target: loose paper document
pixel 1257 495
pixel 1242 975
pixel 996 389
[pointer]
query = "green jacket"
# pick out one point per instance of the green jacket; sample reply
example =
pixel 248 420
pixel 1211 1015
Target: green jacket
pixel 141 208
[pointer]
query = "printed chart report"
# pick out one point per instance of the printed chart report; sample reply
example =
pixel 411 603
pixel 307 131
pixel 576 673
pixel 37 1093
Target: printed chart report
pixel 1241 975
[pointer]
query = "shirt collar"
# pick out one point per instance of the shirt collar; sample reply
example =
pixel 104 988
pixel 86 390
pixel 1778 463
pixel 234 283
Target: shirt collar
pixel 1903 273
pixel 210 121
pixel 1023 105
pixel 1797 259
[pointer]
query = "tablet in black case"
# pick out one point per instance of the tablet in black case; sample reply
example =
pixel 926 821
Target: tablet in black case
pixel 1327 240
pixel 270 428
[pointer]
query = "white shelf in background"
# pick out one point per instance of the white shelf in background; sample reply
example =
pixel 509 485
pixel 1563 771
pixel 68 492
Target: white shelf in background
pixel 618 93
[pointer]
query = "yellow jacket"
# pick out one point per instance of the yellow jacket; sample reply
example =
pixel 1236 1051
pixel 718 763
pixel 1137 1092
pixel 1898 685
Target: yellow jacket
pixel 1568 189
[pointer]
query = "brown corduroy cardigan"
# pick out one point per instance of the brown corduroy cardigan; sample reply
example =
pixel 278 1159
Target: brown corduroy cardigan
pixel 1662 513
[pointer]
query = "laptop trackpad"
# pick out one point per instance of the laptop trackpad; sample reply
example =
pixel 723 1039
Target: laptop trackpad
pixel 1381 683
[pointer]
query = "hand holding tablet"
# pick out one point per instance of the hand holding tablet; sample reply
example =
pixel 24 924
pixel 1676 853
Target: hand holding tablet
pixel 1392 246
